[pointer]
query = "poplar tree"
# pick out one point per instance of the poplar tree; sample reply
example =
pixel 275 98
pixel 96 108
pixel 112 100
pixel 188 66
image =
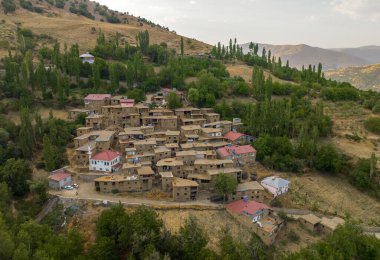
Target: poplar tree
pixel 26 135
pixel 182 47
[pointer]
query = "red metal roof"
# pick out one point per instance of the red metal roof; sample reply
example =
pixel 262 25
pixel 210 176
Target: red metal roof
pixel 250 207
pixel 95 97
pixel 59 176
pixel 244 149
pixel 106 156
pixel 233 135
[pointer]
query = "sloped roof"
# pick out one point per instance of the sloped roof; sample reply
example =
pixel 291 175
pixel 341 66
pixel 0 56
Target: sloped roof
pixel 275 182
pixel 59 176
pixel 106 156
pixel 86 55
pixel 97 96
pixel 228 150
pixel 250 207
pixel 233 135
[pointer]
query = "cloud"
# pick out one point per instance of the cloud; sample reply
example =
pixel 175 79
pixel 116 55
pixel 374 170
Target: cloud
pixel 358 9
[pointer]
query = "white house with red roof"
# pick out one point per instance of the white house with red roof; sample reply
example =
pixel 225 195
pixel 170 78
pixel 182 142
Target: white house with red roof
pixel 240 154
pixel 237 138
pixel 107 161
pixel 59 179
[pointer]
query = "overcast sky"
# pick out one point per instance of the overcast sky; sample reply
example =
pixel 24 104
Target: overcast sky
pixel 323 23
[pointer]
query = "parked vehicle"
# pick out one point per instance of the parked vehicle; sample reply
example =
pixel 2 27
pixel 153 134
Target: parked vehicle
pixel 68 187
pixel 76 186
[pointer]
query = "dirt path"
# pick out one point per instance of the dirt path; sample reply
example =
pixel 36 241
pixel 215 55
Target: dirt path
pixel 48 207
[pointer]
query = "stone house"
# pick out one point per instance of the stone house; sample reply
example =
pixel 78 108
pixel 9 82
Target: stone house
pixel 166 181
pixel 241 155
pixel 251 190
pixel 118 183
pixel 94 102
pixel 172 165
pixel 184 190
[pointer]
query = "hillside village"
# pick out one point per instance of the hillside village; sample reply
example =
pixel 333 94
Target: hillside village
pixel 121 139
pixel 131 148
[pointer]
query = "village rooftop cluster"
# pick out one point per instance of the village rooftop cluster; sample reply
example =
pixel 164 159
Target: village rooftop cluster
pixel 129 147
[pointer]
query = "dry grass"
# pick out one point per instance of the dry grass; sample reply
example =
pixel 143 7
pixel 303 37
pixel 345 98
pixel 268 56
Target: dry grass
pixel 326 194
pixel 70 28
pixel 245 71
pixel 14 116
pixel 212 221
pixel 348 118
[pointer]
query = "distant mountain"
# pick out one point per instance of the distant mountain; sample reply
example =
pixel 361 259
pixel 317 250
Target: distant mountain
pixel 369 53
pixel 299 55
pixel 366 77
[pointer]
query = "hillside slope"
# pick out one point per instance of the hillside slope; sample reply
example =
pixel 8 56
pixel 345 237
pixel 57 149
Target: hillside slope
pixel 366 77
pixel 369 53
pixel 67 27
pixel 299 55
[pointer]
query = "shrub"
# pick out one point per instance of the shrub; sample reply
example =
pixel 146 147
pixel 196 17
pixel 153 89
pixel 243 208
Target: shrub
pixel 115 191
pixel 293 236
pixel 9 6
pixel 373 125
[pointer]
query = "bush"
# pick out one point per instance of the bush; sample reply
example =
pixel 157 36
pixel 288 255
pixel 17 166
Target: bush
pixel 9 6
pixel 293 236
pixel 115 191
pixel 373 125
pixel 328 159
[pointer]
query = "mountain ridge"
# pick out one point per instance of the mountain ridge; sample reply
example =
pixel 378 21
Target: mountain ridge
pixel 302 55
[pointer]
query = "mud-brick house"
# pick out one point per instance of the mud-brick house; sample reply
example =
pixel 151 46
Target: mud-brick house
pixel 166 181
pixel 251 190
pixel 241 155
pixel 310 221
pixel 106 161
pixel 328 225
pixel 94 102
pixel 171 165
pixel 257 216
pixel 146 175
pixel 74 113
pixel 118 183
pixel 96 122
pixel 184 190
pixel 226 126
pixel 237 138
pixel 161 123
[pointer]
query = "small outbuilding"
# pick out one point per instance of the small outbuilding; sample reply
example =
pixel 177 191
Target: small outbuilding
pixel 310 221
pixel 59 179
pixel 87 58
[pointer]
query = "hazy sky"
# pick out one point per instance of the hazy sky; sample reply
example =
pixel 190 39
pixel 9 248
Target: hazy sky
pixel 326 23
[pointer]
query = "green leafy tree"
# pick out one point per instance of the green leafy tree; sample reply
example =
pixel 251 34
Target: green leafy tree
pixel 225 184
pixel 174 101
pixel 193 239
pixel 16 173
pixel 328 160
pixel 182 47
pixel 40 188
pixel 26 135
